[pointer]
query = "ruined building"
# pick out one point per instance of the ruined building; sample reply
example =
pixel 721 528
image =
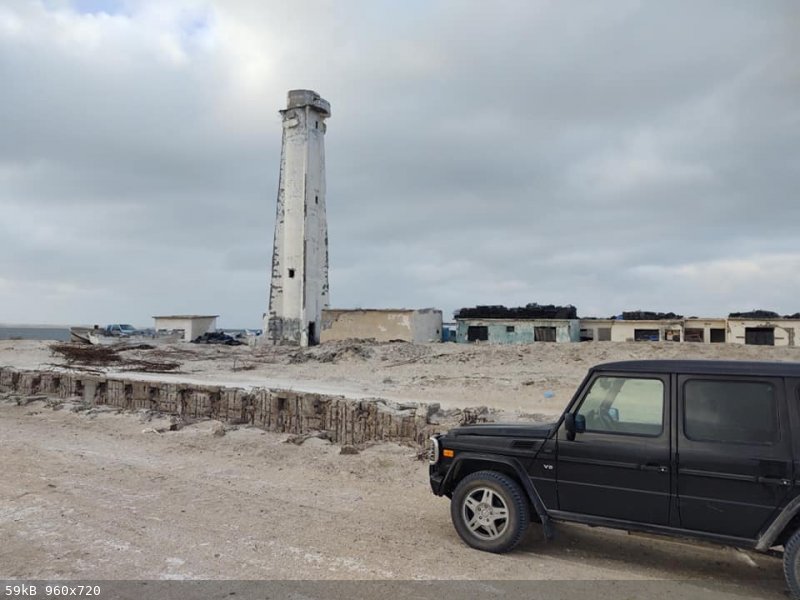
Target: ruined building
pixel 299 289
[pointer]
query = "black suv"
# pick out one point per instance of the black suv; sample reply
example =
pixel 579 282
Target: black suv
pixel 701 449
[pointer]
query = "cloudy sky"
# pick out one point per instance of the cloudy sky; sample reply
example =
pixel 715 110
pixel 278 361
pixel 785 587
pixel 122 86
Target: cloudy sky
pixel 616 156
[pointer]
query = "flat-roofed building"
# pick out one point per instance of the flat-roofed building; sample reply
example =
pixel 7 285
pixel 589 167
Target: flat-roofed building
pixel 517 331
pixel 646 326
pixel 779 331
pixel 193 326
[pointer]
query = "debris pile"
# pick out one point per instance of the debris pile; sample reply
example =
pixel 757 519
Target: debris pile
pixel 150 366
pixel 80 355
pixel 478 414
pixel 217 337
pixel 333 352
pixel 646 315
pixel 529 311
pixel 761 314
pixel 86 355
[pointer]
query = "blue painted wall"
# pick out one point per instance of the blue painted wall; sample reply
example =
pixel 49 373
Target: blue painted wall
pixel 523 331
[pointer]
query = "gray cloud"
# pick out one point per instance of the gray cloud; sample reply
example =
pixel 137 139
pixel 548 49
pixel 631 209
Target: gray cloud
pixel 615 157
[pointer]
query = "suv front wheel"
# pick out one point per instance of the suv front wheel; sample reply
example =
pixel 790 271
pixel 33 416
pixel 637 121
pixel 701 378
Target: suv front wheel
pixel 490 511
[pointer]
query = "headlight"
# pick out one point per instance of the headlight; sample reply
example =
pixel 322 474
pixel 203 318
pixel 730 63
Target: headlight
pixel 433 451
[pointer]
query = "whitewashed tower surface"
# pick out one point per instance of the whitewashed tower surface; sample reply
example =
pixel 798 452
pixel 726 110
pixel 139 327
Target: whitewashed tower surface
pixel 299 289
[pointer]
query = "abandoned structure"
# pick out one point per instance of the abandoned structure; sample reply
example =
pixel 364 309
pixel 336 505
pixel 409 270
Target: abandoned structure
pixel 596 330
pixel 706 331
pixel 535 323
pixel 383 325
pixel 299 285
pixel 649 330
pixel 522 325
pixel 770 331
pixel 759 328
pixel 193 326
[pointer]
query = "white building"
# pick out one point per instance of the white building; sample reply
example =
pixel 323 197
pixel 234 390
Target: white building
pixel 596 330
pixel 779 331
pixel 647 330
pixel 193 326
pixel 299 288
pixel 711 330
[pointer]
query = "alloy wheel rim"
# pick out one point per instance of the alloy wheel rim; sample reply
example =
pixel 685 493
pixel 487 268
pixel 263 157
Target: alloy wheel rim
pixel 485 513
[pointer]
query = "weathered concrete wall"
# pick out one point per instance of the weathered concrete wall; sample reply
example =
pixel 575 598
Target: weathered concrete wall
pixel 593 329
pixel 299 286
pixel 624 331
pixel 427 325
pixel 786 330
pixel 383 325
pixel 706 325
pixel 346 421
pixel 519 331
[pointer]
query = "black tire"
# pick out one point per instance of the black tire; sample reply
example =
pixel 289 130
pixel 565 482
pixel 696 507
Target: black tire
pixel 477 509
pixel 791 564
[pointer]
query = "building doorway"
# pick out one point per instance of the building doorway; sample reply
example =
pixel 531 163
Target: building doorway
pixel 759 336
pixel 312 334
pixel 477 333
pixel 544 334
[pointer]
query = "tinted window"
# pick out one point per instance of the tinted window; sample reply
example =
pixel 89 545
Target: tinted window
pixel 730 411
pixel 624 405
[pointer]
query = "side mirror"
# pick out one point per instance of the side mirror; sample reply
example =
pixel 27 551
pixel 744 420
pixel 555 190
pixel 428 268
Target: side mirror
pixel 580 424
pixel 569 426
pixel 574 424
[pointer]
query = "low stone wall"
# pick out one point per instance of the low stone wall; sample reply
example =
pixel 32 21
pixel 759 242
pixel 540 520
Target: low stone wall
pixel 346 421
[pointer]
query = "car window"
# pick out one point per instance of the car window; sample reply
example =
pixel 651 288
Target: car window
pixel 625 405
pixel 743 412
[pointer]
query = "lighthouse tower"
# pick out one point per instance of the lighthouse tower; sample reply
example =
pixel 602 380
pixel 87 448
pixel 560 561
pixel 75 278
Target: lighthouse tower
pixel 299 289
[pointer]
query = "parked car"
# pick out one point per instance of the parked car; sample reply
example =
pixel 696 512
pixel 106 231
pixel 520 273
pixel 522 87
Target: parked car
pixel 120 330
pixel 708 450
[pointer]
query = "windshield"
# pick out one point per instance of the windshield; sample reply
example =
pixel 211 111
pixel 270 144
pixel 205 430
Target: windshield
pixel 125 327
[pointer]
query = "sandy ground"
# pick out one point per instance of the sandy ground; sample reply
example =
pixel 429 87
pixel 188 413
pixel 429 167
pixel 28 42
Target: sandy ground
pixel 100 495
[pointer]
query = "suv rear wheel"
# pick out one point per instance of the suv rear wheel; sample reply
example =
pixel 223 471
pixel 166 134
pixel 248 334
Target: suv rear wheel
pixel 490 511
pixel 791 564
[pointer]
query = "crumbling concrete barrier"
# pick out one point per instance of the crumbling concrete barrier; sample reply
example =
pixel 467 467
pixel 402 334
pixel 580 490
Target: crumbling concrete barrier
pixel 346 421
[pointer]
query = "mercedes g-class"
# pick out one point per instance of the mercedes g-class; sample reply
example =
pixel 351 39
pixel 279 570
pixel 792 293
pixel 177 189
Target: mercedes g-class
pixel 708 450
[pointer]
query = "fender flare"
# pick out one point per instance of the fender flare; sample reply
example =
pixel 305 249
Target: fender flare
pixel 766 538
pixel 522 477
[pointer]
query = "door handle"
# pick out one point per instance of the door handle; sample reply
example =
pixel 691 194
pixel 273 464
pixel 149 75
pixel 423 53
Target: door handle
pixel 656 468
pixel 774 481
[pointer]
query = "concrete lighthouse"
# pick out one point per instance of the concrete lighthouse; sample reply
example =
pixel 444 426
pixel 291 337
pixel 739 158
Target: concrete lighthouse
pixel 299 289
